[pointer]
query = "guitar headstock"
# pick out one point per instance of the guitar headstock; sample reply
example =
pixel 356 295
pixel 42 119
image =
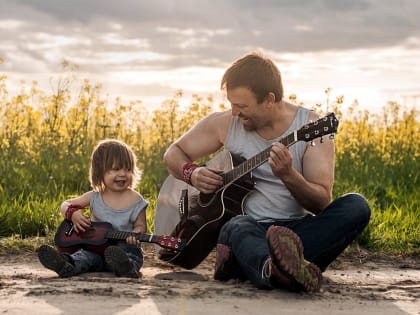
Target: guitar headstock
pixel 170 242
pixel 321 127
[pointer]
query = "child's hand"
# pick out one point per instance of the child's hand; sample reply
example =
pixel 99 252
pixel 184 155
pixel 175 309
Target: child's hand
pixel 133 241
pixel 80 222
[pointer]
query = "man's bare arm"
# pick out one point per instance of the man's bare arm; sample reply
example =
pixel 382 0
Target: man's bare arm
pixel 313 188
pixel 204 138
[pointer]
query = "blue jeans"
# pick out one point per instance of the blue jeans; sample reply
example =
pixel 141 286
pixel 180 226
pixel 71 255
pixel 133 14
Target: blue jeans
pixel 324 237
pixel 88 261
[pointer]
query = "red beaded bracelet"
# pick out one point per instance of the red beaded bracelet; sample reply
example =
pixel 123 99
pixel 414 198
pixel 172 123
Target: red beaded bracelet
pixel 70 210
pixel 187 171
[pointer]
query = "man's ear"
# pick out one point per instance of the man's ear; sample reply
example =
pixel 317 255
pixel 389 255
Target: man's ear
pixel 270 99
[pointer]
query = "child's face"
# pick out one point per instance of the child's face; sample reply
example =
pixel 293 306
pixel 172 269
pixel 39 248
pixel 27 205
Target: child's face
pixel 118 179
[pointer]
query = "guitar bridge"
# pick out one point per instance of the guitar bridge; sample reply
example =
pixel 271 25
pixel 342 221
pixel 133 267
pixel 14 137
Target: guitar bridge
pixel 70 231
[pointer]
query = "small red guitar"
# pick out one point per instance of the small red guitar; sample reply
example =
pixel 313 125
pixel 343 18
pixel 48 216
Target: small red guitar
pixel 100 235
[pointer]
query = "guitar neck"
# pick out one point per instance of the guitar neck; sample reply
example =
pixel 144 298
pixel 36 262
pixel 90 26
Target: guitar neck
pixel 316 129
pixel 142 237
pixel 255 161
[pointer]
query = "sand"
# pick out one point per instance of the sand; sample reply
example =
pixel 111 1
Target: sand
pixel 357 283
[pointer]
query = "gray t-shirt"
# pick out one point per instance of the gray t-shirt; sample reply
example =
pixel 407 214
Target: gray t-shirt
pixel 270 199
pixel 121 219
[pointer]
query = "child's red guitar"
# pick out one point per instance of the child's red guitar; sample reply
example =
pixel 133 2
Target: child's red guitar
pixel 101 234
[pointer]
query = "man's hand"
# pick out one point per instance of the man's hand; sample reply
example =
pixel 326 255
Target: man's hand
pixel 280 160
pixel 206 180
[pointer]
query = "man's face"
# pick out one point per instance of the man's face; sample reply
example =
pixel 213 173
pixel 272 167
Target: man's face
pixel 244 105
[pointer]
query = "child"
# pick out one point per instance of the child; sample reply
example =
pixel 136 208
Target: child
pixel 113 177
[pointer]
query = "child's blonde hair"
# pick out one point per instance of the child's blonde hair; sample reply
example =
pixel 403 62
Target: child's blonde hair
pixel 111 153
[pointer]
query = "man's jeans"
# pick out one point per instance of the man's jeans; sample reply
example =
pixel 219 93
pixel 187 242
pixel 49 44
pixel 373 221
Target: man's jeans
pixel 88 261
pixel 324 237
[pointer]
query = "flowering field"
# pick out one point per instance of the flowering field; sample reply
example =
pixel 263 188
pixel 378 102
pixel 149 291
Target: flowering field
pixel 46 141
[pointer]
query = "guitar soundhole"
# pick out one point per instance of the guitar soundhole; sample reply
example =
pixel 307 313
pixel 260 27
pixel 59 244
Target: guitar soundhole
pixel 89 233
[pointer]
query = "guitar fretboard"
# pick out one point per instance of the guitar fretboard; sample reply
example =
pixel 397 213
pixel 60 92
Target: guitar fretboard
pixel 121 235
pixel 255 161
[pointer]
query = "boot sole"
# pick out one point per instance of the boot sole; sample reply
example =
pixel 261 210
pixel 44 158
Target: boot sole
pixel 116 258
pixel 51 259
pixel 286 248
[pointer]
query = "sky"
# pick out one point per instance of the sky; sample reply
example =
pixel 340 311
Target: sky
pixel 367 50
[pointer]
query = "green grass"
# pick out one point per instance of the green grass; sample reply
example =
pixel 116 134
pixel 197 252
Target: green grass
pixel 391 230
pixel 16 245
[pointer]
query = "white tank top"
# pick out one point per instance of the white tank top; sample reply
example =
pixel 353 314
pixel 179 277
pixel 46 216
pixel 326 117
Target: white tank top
pixel 270 199
pixel 121 219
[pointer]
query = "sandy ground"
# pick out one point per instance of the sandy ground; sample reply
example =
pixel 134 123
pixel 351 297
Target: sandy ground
pixel 357 283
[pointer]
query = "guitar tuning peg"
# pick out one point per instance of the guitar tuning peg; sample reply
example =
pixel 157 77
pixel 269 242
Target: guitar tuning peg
pixel 312 143
pixel 331 136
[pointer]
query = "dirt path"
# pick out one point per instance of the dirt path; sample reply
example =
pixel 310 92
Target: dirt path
pixel 355 284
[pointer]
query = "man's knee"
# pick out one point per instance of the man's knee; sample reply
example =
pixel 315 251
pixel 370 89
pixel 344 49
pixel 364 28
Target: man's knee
pixel 236 224
pixel 357 206
pixel 239 221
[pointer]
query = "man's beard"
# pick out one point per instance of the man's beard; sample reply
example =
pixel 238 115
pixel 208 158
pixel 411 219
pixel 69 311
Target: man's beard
pixel 249 127
pixel 248 123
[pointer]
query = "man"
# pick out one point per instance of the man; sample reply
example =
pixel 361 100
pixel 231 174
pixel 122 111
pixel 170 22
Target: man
pixel 291 231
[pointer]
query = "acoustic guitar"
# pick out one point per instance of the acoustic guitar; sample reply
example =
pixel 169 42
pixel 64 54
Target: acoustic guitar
pixel 201 216
pixel 101 234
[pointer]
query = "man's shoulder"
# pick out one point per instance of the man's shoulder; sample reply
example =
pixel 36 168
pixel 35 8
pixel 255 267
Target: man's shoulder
pixel 215 125
pixel 227 114
pixel 218 119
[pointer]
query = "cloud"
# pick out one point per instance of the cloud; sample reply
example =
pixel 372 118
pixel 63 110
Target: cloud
pixel 216 26
pixel 131 38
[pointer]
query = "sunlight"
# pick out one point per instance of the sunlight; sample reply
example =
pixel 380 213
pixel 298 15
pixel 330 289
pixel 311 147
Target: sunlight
pixel 180 78
pixel 362 74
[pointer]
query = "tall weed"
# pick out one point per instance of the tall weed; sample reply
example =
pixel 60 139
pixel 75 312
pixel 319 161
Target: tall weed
pixel 46 142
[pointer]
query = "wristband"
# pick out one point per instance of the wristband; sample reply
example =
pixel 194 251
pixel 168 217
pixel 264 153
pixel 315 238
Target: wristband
pixel 187 171
pixel 70 210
